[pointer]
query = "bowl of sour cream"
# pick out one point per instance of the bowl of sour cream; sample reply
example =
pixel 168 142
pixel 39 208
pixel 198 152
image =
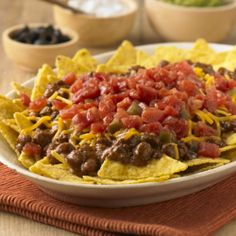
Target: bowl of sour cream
pixel 104 23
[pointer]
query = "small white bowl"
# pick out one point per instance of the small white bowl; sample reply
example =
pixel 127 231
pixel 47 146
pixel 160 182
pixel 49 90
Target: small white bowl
pixel 179 23
pixel 29 56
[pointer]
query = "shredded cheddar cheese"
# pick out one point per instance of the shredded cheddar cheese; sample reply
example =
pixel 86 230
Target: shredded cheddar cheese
pixel 43 120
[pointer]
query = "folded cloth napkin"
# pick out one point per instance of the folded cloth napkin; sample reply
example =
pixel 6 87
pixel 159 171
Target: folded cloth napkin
pixel 200 214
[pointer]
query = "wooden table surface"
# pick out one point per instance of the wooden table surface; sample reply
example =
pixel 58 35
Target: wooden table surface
pixel 25 11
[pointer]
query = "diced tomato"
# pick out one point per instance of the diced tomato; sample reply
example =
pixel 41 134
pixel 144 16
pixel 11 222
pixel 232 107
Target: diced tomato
pixel 214 99
pixel 37 105
pixel 108 118
pixel 231 107
pixel 70 78
pixel 97 127
pixel 25 100
pixel 179 126
pixel 152 114
pixel 125 103
pixel 86 93
pixel 100 76
pixel 93 115
pixel 188 86
pixel 208 150
pixel 69 113
pixel 223 84
pixel 32 149
pixel 105 107
pixel 121 113
pixel 80 120
pixel 195 103
pixel 59 105
pixel 146 94
pixel 133 121
pixel 119 97
pixel 154 127
pixel 78 84
pixel 201 129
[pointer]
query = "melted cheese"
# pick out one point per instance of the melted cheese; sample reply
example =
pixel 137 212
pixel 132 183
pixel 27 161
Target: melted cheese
pixel 43 120
pixel 60 127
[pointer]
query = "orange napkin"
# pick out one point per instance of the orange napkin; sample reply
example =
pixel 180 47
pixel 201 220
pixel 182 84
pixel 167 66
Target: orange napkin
pixel 200 214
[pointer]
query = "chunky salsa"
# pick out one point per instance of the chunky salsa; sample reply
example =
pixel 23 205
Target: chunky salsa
pixel 175 109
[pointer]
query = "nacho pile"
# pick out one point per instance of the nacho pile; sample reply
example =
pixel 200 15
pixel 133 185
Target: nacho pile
pixel 137 118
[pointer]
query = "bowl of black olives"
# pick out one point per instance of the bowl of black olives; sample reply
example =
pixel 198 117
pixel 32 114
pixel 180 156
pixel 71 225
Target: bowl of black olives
pixel 30 46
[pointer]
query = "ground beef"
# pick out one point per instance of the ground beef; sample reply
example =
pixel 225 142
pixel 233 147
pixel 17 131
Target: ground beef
pixel 22 140
pixel 83 161
pixel 208 69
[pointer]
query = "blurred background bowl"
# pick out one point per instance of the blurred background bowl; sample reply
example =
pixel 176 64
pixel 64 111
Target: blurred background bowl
pixel 95 31
pixel 31 57
pixel 179 23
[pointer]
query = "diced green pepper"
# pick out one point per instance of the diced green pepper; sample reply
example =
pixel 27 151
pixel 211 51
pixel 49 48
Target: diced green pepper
pixel 232 92
pixel 184 114
pixel 135 109
pixel 114 126
pixel 165 136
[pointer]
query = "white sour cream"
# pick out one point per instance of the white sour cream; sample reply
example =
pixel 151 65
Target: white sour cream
pixel 101 8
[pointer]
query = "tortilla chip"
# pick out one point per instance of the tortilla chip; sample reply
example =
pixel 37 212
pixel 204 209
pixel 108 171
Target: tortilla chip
pixel 66 65
pixel 205 160
pixel 8 108
pixel 9 135
pixel 19 89
pixel 98 180
pixel 84 58
pixel 26 160
pixel 125 55
pixel 58 171
pixel 112 69
pixel 142 58
pixel 230 60
pixel 169 53
pixel 12 124
pixel 203 164
pixel 201 52
pixel 155 168
pixel 22 121
pixel 45 76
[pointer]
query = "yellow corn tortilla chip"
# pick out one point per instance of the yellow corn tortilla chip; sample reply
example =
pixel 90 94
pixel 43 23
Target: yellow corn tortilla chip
pixel 26 160
pixel 8 108
pixel 66 65
pixel 231 139
pixel 155 168
pixel 84 58
pixel 125 55
pixel 112 69
pixel 98 180
pixel 142 58
pixel 58 172
pixel 229 155
pixel 45 76
pixel 9 135
pixel 17 102
pixel 19 89
pixel 230 60
pixel 21 121
pixel 201 52
pixel 12 124
pixel 169 53
pixel 205 160
pixel 203 164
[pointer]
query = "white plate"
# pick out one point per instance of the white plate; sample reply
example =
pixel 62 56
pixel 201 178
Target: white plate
pixel 121 195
